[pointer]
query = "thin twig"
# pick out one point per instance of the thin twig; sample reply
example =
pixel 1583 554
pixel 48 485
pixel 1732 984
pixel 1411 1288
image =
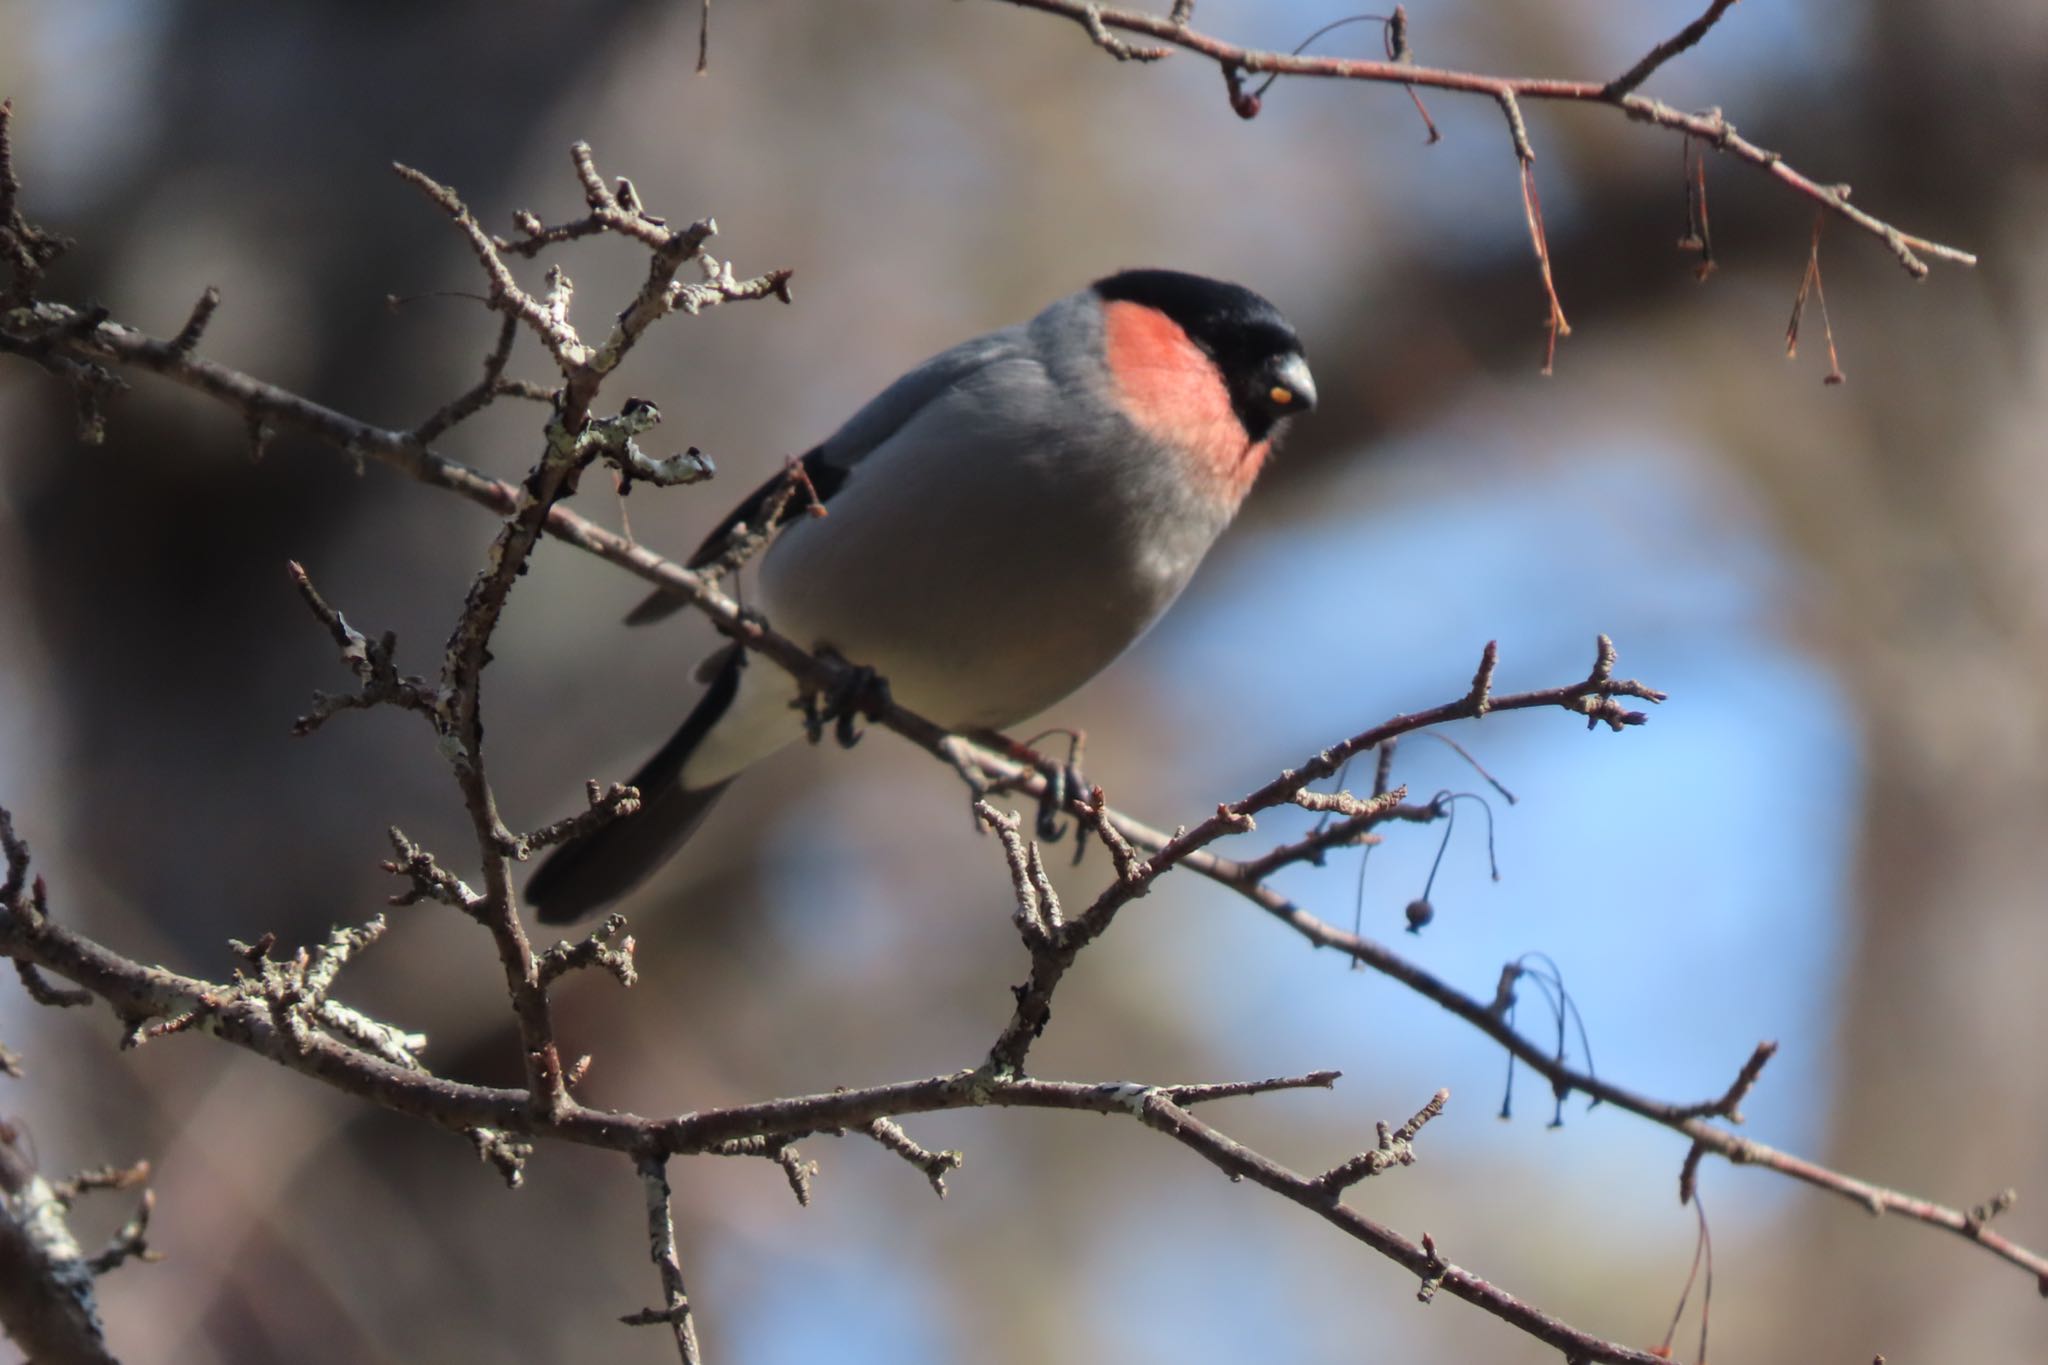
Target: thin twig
pixel 1711 128
pixel 1663 52
pixel 661 1248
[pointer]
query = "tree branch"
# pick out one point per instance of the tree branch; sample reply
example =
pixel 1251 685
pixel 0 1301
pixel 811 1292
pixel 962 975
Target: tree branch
pixel 1710 127
pixel 282 1010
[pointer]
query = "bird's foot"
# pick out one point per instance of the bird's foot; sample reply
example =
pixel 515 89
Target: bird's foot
pixel 860 692
pixel 1064 782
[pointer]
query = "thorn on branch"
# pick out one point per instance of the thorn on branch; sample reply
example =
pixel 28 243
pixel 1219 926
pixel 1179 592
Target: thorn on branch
pixel 503 1152
pixel 1595 699
pixel 131 1242
pixel 1395 1148
pixel 935 1165
pixel 142 1031
pixel 371 662
pixel 202 313
pixel 610 948
pixel 430 881
pixel 606 805
pixel 43 992
pixel 799 1172
pixel 1731 1103
pixel 782 1151
pixel 467 404
pixel 1480 698
pixel 1663 52
pixel 1728 1106
pixel 1187 1095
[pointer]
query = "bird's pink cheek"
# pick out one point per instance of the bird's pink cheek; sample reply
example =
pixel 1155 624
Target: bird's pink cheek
pixel 1170 388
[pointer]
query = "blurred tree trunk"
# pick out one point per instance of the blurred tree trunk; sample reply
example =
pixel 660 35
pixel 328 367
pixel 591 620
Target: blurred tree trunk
pixel 1936 605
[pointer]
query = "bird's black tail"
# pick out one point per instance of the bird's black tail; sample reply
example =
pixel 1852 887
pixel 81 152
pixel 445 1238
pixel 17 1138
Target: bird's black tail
pixel 587 874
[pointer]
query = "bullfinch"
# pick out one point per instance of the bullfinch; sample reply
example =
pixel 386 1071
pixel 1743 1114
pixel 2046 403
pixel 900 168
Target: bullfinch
pixel 999 524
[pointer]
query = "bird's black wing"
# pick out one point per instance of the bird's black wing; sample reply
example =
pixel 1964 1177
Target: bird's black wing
pixel 804 484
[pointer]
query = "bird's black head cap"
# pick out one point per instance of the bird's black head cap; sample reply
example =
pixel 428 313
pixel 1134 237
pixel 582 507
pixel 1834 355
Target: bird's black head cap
pixel 1243 333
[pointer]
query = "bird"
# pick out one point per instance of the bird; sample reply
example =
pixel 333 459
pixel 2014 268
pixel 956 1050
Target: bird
pixel 986 535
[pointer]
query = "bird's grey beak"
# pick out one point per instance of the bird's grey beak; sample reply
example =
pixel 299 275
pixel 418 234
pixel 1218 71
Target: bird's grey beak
pixel 1292 370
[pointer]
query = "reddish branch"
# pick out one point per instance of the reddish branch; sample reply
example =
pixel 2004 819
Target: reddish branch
pixel 138 991
pixel 1711 127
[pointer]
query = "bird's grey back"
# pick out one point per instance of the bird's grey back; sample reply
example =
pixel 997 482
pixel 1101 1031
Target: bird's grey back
pixel 884 414
pixel 939 562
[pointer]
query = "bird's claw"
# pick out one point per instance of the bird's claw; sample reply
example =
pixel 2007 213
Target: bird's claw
pixel 1064 782
pixel 859 692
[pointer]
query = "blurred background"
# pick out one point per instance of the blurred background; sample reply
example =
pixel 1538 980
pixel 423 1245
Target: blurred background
pixel 1831 836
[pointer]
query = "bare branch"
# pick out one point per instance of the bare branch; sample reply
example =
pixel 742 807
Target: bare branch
pixel 47 1301
pixel 282 1009
pixel 661 1248
pixel 606 805
pixel 195 325
pixel 466 405
pixel 371 661
pixel 1729 1105
pixel 1711 128
pixel 1185 1095
pixel 430 881
pixel 1396 1148
pixel 935 1165
pixel 1663 52
pixel 130 1241
pixel 609 947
